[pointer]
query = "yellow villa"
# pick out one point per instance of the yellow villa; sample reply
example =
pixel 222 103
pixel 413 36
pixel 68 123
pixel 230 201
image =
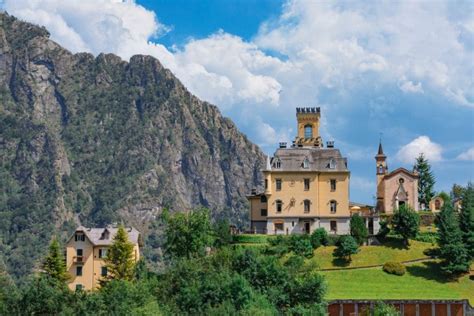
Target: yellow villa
pixel 306 186
pixel 85 253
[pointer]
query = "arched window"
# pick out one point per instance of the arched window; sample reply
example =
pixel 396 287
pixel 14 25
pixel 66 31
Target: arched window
pixel 308 131
pixel 437 204
pixel 307 206
pixel 305 163
pixel 333 206
pixel 279 206
pixel 277 163
pixel 380 169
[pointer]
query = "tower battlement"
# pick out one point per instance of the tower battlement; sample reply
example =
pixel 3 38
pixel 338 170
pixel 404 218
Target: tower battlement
pixel 308 110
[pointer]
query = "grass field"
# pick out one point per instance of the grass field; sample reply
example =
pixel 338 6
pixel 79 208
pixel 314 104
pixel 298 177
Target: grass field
pixel 372 255
pixel 422 281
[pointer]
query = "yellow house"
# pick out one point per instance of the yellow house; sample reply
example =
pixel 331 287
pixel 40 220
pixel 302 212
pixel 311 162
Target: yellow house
pixel 306 186
pixel 85 253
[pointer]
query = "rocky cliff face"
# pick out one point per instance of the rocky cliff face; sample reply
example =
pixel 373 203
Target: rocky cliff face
pixel 97 139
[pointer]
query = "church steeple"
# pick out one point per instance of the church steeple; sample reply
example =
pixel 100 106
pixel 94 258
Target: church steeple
pixel 381 171
pixel 381 160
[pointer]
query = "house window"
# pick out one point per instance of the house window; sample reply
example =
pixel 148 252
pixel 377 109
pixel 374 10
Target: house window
pixel 308 131
pixel 333 225
pixel 333 206
pixel 305 163
pixel 307 204
pixel 278 226
pixel 79 287
pixel 306 184
pixel 333 185
pixel 263 212
pixel 103 271
pixel 79 252
pixel 79 237
pixel 263 199
pixel 293 224
pixel 102 253
pixel 279 206
pixel 79 270
pixel 437 204
pixel 278 184
pixel 266 184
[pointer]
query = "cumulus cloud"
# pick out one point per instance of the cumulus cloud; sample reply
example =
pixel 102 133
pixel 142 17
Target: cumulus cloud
pixel 467 155
pixel 420 145
pixel 409 86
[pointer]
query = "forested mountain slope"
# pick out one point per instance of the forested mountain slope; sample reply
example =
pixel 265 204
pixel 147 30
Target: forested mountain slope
pixel 95 140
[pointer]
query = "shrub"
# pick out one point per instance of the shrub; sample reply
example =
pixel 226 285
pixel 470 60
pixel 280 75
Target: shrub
pixel 301 245
pixel 319 238
pixel 346 247
pixel 333 240
pixel 394 268
pixel 382 309
pixel 430 237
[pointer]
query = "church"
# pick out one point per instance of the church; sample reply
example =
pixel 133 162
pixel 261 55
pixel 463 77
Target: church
pixel 394 188
pixel 306 186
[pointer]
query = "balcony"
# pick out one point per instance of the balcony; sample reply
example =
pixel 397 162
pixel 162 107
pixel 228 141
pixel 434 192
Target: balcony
pixel 78 259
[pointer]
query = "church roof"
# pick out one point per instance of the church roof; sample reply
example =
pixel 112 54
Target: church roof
pixel 401 170
pixel 318 159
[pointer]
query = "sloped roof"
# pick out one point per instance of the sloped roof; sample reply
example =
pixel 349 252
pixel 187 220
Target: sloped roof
pixel 291 159
pixel 401 170
pixel 104 236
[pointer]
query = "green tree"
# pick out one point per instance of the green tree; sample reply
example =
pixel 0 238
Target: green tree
pixel 222 235
pixel 466 219
pixel 346 247
pixel 426 180
pixel 187 234
pixel 120 261
pixel 457 191
pixel 382 309
pixel 406 223
pixel 384 229
pixel 54 264
pixel 319 238
pixel 452 250
pixel 358 229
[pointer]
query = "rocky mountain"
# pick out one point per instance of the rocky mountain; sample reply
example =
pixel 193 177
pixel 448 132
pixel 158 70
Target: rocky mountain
pixel 95 140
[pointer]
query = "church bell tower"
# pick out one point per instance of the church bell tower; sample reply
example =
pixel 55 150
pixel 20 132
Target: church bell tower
pixel 382 169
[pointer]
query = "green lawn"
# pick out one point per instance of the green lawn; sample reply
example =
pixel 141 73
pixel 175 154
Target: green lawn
pixel 422 281
pixel 372 255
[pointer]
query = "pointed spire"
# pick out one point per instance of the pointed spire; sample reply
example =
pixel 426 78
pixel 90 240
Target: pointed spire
pixel 380 149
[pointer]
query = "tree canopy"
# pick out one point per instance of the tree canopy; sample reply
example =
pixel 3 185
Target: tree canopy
pixel 406 223
pixel 426 180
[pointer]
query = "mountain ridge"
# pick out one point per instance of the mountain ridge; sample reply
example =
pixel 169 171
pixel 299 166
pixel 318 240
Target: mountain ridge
pixel 95 140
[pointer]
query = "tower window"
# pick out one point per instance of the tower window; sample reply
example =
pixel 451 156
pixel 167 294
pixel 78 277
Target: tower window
pixel 333 206
pixel 307 204
pixel 333 185
pixel 306 184
pixel 277 163
pixel 278 184
pixel 279 206
pixel 380 169
pixel 308 131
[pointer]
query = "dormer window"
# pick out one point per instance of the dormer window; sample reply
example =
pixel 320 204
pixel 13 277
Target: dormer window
pixel 105 235
pixel 277 163
pixel 79 237
pixel 308 131
pixel 332 164
pixel 305 163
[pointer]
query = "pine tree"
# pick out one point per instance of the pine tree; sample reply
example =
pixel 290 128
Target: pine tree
pixel 120 262
pixel 406 223
pixel 466 219
pixel 452 250
pixel 358 229
pixel 426 180
pixel 54 264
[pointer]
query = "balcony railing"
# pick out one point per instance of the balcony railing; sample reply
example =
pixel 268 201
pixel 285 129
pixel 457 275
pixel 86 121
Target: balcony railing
pixel 78 259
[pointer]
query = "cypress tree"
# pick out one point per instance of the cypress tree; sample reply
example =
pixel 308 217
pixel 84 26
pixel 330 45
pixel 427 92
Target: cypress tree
pixel 426 180
pixel 120 261
pixel 466 219
pixel 358 229
pixel 452 250
pixel 54 264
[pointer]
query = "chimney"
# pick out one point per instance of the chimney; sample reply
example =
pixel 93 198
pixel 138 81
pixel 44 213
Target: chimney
pixel 330 144
pixel 283 145
pixel 254 191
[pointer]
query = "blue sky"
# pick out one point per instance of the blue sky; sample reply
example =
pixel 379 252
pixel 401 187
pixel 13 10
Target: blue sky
pixel 403 69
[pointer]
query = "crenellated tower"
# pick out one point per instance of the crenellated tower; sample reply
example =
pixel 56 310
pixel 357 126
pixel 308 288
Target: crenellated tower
pixel 308 127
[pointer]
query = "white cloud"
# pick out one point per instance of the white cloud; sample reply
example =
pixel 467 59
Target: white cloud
pixel 363 184
pixel 467 155
pixel 409 86
pixel 420 145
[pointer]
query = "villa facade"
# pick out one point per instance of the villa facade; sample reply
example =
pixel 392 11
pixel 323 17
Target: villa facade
pixel 85 253
pixel 306 186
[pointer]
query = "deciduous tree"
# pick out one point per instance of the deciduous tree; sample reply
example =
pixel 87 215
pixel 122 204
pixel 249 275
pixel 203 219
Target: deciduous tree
pixel 346 247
